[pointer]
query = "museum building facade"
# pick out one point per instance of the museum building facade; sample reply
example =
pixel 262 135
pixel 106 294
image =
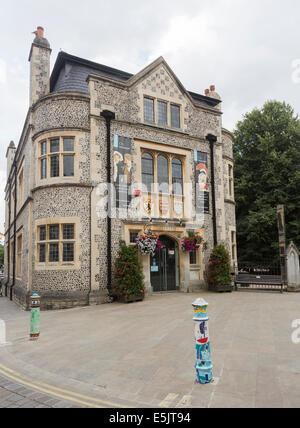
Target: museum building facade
pixel 161 148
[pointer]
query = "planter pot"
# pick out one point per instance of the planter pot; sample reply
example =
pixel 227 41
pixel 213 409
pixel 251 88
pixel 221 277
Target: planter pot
pixel 131 299
pixel 222 288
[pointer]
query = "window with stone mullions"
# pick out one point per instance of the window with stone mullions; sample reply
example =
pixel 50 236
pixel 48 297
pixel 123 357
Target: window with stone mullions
pixel 162 109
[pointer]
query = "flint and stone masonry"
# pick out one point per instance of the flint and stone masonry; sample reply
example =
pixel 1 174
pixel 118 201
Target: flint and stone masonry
pixel 55 242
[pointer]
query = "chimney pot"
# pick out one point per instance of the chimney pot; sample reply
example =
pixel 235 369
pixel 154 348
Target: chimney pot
pixel 206 92
pixel 40 32
pixel 212 88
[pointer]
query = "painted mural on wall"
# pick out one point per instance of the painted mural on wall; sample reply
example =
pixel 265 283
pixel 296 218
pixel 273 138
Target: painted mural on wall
pixel 122 170
pixel 202 182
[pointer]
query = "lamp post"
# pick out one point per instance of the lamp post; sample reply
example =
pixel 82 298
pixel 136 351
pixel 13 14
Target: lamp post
pixel 203 362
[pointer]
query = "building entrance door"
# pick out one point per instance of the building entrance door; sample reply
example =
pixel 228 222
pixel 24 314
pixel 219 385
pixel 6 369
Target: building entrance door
pixel 165 266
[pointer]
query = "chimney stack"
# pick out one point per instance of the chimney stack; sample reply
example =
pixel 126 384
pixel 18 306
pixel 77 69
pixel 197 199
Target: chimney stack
pixel 39 59
pixel 10 156
pixel 40 32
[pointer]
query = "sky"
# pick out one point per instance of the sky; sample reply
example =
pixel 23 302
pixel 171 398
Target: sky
pixel 249 49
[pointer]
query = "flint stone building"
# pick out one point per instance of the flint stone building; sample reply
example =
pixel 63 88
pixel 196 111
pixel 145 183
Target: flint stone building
pixel 55 237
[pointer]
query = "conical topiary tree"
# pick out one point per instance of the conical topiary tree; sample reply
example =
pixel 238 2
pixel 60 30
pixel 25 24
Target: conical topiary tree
pixel 219 270
pixel 128 277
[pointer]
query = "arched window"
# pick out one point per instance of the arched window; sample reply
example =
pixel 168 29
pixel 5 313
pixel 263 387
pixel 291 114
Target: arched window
pixel 147 170
pixel 177 177
pixel 163 174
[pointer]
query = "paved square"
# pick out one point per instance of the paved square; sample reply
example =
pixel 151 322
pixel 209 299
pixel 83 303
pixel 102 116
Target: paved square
pixel 143 354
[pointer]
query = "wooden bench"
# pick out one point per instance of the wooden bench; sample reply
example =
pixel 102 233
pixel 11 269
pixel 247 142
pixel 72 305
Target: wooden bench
pixel 265 282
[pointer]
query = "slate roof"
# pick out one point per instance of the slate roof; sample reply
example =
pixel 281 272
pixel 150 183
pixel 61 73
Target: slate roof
pixel 70 74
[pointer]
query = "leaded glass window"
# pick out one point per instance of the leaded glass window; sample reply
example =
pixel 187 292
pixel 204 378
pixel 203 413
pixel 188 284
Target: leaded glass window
pixel 68 166
pixel 68 231
pixel 149 109
pixel 53 253
pixel 54 166
pixel 147 170
pixel 42 255
pixel 54 232
pixel 43 168
pixel 175 116
pixel 162 109
pixel 54 146
pixel 163 174
pixel 177 177
pixel 68 144
pixel 68 252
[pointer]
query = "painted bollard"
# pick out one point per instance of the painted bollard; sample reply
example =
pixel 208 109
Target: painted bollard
pixel 35 317
pixel 203 362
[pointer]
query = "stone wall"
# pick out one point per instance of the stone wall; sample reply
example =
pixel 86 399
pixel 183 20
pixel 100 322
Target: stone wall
pixel 61 111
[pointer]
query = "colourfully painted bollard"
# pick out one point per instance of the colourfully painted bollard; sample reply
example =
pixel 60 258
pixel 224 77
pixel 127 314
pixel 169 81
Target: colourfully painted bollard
pixel 203 363
pixel 35 317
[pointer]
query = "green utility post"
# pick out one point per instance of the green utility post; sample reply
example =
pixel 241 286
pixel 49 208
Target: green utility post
pixel 35 317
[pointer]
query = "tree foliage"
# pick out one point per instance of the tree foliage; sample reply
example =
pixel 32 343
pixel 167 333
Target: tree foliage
pixel 267 174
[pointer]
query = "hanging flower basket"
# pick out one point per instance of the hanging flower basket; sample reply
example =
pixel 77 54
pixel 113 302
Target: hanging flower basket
pixel 191 243
pixel 148 243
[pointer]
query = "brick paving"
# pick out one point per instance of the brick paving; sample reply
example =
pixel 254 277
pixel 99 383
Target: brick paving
pixel 15 396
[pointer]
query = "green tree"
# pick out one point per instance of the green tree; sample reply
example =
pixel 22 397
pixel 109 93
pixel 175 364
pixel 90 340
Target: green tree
pixel 128 278
pixel 267 174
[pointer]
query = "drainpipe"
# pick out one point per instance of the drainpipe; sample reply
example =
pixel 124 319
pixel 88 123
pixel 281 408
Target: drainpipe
pixel 15 232
pixel 108 116
pixel 93 185
pixel 8 245
pixel 212 140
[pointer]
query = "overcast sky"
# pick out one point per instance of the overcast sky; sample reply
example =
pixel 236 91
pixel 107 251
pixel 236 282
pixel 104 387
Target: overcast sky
pixel 248 48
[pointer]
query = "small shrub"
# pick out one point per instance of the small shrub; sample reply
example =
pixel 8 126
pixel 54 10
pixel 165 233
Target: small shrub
pixel 128 277
pixel 219 270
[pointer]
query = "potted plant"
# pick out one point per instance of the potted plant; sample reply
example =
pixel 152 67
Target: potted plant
pixel 148 243
pixel 219 270
pixel 128 277
pixel 192 242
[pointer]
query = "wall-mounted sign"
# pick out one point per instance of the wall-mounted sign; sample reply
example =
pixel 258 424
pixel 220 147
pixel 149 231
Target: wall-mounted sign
pixel 122 170
pixel 202 182
pixel 178 207
pixel 164 207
